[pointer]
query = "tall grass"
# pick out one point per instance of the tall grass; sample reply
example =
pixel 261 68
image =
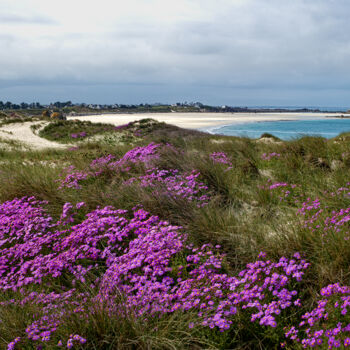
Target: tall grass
pixel 242 216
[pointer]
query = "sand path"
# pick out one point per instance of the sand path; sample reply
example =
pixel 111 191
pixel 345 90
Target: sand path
pixel 203 121
pixel 23 133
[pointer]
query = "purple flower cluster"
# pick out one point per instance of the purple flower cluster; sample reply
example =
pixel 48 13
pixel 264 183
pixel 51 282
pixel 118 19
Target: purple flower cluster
pixel 165 182
pixel 147 279
pixel 328 323
pixel 286 192
pixel 173 184
pixel 279 184
pixel 144 154
pixel 318 216
pixel 75 338
pixel 146 260
pixel 30 244
pixel 78 135
pixel 263 287
pixel 72 178
pixel 221 158
pixel 269 156
pixel 54 306
pixel 12 345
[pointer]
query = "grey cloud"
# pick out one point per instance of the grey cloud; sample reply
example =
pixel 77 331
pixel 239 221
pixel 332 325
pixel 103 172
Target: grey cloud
pixel 261 46
pixel 6 39
pixel 18 19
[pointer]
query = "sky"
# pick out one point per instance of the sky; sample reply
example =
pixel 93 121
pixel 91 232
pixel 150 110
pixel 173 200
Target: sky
pixel 222 52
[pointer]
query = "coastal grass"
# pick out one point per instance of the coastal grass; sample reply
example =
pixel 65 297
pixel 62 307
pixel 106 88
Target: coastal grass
pixel 242 216
pixel 69 131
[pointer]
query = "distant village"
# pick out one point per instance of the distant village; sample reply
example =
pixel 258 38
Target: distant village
pixel 70 108
pixel 36 105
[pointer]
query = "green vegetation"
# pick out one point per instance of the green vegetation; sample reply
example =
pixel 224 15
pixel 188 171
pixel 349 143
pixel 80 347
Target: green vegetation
pixel 67 131
pixel 256 193
pixel 75 131
pixel 14 117
pixel 270 136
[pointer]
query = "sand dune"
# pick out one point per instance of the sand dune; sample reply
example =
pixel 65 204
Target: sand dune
pixel 23 133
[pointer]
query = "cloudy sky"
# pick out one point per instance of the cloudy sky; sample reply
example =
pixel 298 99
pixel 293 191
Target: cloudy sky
pixel 234 52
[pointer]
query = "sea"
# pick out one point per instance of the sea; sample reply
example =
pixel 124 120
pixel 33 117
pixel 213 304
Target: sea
pixel 288 130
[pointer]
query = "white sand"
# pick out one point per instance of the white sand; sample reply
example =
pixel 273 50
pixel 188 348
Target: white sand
pixel 201 120
pixel 23 133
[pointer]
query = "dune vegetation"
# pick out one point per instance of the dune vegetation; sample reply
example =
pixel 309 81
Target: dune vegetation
pixel 156 237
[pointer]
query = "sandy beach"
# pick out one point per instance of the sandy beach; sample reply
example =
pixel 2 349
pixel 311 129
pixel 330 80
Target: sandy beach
pixel 202 121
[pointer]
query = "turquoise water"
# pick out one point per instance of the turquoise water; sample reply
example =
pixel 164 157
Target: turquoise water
pixel 287 130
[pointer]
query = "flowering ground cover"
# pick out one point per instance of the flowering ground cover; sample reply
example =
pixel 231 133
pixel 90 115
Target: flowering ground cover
pixel 71 177
pixel 70 131
pixel 221 158
pixel 76 130
pixel 147 261
pixel 176 242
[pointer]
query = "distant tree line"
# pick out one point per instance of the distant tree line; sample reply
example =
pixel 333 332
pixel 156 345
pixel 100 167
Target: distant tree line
pixel 141 106
pixel 34 105
pixel 23 105
pixel 144 107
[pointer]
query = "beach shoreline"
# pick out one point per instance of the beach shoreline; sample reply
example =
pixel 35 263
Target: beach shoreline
pixel 203 121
